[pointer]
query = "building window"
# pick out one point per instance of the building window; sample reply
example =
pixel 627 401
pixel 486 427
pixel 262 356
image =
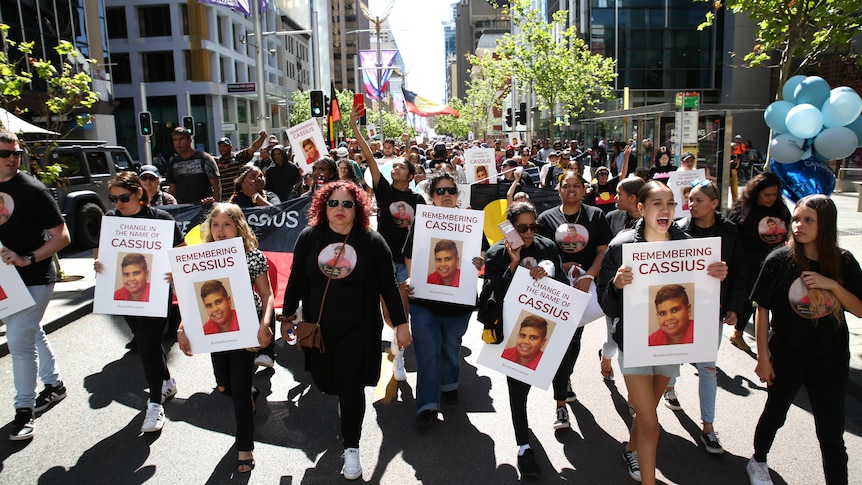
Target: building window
pixel 241 112
pixel 184 18
pixel 155 21
pixel 187 61
pixel 158 66
pixel 122 69
pixel 115 17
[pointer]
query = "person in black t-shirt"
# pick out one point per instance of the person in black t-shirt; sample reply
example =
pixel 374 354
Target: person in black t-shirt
pixel 192 175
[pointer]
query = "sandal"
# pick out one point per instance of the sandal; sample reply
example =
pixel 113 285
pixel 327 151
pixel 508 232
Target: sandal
pixel 245 463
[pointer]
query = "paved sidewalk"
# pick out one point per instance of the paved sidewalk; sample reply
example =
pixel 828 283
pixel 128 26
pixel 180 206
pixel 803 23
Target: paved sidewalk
pixel 75 298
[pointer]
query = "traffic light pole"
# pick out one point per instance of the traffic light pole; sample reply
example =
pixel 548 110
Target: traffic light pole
pixel 148 150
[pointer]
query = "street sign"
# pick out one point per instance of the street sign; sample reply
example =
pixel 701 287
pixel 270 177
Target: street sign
pixel 241 88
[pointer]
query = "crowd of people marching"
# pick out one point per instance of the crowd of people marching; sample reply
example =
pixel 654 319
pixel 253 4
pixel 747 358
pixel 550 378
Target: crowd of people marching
pixel 780 267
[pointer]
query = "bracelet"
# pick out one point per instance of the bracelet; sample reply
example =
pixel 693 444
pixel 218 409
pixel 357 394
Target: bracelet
pixel 179 330
pixel 588 277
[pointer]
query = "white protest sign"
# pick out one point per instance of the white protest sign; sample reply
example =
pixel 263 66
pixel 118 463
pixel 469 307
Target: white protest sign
pixel 215 296
pixel 539 320
pixel 14 295
pixel 679 182
pixel 480 166
pixel 134 260
pixel 444 244
pixel 671 308
pixel 307 143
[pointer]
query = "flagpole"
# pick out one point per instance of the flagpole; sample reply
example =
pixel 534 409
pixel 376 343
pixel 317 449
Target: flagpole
pixel 261 80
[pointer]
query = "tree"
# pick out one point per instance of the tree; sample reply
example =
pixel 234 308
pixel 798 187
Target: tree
pixel 799 31
pixel 456 127
pixel 490 82
pixel 556 64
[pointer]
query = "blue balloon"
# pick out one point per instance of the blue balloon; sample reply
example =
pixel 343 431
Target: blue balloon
pixel 804 121
pixel 842 107
pixel 856 127
pixel 804 178
pixel 790 87
pixel 775 115
pixel 813 90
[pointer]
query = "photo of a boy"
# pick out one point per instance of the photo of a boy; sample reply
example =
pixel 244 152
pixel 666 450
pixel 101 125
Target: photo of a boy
pixel 218 306
pixel 528 348
pixel 447 265
pixel 135 276
pixel 672 309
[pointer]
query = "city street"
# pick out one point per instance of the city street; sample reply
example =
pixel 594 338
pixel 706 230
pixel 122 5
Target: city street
pixel 93 435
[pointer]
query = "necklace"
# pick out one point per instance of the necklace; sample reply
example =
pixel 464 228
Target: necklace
pixel 576 216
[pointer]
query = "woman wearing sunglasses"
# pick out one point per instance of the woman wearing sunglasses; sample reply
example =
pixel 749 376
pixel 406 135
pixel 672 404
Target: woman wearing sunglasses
pixel 501 262
pixel 128 196
pixel 438 326
pixel 645 384
pixel 706 221
pixel 339 228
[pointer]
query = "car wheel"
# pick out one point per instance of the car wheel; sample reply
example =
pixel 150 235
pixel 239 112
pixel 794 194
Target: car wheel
pixel 88 222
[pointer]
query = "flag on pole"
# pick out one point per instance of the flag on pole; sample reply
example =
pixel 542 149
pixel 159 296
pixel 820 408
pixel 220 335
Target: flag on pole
pixel 425 107
pixel 368 63
pixel 333 116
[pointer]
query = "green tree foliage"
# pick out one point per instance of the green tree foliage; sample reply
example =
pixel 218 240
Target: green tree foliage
pixel 392 127
pixel 552 61
pixel 793 34
pixel 460 127
pixel 489 83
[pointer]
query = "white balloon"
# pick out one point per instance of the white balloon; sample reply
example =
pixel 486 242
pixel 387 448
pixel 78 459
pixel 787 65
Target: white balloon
pixel 836 143
pixel 804 121
pixel 786 148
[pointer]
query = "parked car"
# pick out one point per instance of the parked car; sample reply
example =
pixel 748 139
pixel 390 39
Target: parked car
pixel 81 190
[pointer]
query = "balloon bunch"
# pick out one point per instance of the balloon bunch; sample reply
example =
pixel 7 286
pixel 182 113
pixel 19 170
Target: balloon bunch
pixel 812 125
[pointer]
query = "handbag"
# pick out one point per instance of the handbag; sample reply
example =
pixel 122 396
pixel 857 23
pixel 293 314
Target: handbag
pixel 490 314
pixel 309 334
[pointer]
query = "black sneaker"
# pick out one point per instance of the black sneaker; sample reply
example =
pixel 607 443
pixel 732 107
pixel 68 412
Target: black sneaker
pixel 527 464
pixel 710 441
pixel 450 397
pixel 562 421
pixel 426 417
pixel 50 396
pixel 22 426
pixel 671 401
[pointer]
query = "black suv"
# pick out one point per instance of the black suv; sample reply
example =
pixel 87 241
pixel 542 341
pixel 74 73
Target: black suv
pixel 82 190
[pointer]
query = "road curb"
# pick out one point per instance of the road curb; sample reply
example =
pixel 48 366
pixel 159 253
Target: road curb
pixel 73 314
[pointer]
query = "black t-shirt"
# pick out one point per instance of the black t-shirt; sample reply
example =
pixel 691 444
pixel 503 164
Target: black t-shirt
pixel 603 196
pixel 192 176
pixel 803 325
pixel 395 215
pixel 662 173
pixel 151 213
pixel 577 235
pixel 282 179
pixel 28 210
pixel 762 230
pixel 620 220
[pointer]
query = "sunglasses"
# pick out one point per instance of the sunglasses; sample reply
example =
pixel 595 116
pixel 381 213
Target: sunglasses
pixel 522 228
pixel 599 174
pixel 148 178
pixel 347 204
pixel 123 198
pixel 446 190
pixel 705 184
pixel 11 153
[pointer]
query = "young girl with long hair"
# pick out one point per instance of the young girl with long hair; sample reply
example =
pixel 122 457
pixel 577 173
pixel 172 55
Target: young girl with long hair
pixel 807 285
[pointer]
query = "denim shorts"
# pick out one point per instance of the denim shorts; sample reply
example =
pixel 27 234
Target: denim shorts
pixel 667 370
pixel 400 272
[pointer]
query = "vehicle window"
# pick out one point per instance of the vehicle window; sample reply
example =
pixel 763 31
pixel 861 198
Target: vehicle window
pixel 98 163
pixel 121 161
pixel 72 163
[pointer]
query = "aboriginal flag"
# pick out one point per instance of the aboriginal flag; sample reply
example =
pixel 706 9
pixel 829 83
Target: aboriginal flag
pixel 425 107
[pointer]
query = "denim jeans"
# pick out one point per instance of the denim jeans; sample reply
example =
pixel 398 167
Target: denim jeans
pixel 437 343
pixel 707 386
pixel 28 345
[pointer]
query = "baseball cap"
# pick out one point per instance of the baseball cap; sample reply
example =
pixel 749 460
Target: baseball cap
pixel 341 152
pixel 554 154
pixel 225 140
pixel 687 155
pixel 737 136
pixel 440 147
pixel 149 170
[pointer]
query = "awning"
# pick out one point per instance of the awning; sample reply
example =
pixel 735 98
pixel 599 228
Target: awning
pixel 17 125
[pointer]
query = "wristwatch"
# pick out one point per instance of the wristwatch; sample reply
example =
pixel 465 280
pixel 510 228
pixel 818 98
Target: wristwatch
pixel 32 258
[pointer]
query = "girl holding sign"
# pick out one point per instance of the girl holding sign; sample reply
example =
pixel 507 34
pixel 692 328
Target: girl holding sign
pixel 501 263
pixel 130 200
pixel 234 369
pixel 807 286
pixel 645 384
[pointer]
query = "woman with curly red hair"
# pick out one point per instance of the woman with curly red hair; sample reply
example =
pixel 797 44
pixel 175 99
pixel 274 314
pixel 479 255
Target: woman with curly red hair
pixel 351 322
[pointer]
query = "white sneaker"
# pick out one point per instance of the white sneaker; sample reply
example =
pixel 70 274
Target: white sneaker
pixel 169 389
pixel 155 418
pixel 264 360
pixel 352 468
pixel 398 367
pixel 758 473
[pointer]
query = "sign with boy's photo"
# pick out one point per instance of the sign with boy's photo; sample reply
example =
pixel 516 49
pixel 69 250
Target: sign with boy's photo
pixel 14 295
pixel 215 297
pixel 480 166
pixel 671 308
pixel 444 244
pixel 134 263
pixel 679 182
pixel 539 320
pixel 307 143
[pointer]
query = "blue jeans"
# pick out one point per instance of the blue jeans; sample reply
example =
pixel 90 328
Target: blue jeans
pixel 707 386
pixel 437 343
pixel 28 345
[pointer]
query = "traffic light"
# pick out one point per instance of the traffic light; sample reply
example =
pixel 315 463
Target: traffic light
pixel 327 104
pixel 522 114
pixel 189 124
pixel 318 104
pixel 146 120
pixel 508 116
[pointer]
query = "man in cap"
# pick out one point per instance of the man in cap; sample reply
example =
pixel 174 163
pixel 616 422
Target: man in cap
pixel 192 175
pixel 230 164
pixel 150 181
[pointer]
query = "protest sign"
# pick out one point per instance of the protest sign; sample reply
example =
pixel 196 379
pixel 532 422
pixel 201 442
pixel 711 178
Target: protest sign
pixel 480 166
pixel 444 244
pixel 215 296
pixel 679 182
pixel 307 143
pixel 14 295
pixel 539 320
pixel 671 308
pixel 134 262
